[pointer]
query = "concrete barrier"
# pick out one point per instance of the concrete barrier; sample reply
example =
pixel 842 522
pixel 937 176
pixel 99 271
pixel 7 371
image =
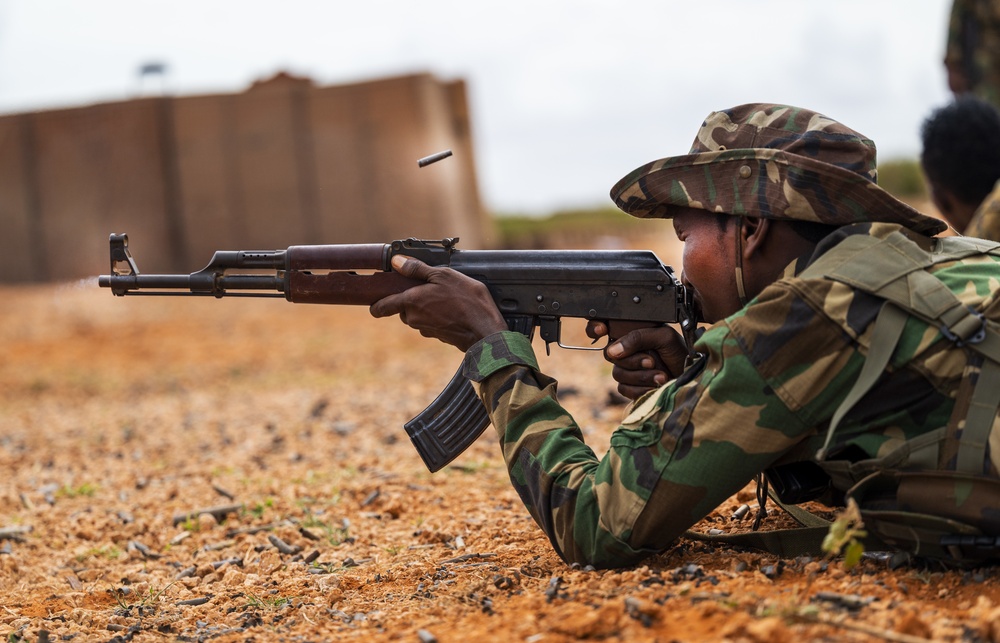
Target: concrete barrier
pixel 285 162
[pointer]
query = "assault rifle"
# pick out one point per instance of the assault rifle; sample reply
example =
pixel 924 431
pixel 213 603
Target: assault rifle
pixel 627 289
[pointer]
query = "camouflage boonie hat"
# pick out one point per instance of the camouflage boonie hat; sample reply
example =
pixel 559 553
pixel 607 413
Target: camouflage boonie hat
pixel 771 161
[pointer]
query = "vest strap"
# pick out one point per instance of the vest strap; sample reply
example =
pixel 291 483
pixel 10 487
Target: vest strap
pixel 888 329
pixel 980 419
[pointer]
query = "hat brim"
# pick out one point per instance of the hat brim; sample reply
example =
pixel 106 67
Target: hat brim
pixel 761 182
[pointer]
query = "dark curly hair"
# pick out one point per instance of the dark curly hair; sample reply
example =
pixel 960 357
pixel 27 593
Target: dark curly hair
pixel 961 148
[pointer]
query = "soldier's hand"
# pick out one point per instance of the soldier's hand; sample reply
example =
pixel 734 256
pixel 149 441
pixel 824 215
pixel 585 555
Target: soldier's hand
pixel 643 359
pixel 450 306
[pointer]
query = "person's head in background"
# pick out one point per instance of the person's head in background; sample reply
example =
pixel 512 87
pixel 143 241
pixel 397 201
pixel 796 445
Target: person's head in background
pixel 961 157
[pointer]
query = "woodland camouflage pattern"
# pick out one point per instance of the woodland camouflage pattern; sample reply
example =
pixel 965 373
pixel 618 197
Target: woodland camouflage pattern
pixel 985 223
pixel 771 161
pixel 772 374
pixel 973 47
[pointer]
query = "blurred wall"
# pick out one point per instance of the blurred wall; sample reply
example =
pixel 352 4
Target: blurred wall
pixel 283 163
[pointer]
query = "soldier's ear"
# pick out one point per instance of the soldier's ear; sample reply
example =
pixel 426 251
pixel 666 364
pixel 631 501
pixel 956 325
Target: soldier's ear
pixel 943 200
pixel 754 231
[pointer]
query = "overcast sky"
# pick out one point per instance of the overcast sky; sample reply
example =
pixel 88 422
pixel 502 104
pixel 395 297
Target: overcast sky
pixel 566 96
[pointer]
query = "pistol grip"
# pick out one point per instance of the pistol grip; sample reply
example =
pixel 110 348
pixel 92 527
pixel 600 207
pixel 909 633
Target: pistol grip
pixel 618 328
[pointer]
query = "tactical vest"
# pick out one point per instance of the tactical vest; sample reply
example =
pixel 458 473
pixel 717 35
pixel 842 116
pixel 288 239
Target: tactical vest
pixel 932 497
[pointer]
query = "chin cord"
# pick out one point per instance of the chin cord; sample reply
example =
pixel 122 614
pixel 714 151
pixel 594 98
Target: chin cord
pixel 740 289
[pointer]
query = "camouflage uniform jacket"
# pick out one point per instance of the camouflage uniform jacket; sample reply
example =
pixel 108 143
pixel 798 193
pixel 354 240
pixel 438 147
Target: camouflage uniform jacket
pixel 985 223
pixel 772 376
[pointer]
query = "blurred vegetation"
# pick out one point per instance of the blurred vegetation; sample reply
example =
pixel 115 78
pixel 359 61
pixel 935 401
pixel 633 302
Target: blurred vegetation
pixel 526 231
pixel 902 178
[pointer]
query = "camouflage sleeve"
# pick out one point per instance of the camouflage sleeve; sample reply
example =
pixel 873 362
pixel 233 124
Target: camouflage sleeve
pixel 683 449
pixel 954 53
pixel 985 223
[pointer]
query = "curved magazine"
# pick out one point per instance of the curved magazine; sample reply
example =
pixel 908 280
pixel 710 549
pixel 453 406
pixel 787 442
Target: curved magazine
pixel 449 425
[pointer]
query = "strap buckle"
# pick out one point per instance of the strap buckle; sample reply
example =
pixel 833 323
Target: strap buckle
pixel 970 329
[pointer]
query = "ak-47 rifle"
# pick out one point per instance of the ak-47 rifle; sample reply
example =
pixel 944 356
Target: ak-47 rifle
pixel 532 288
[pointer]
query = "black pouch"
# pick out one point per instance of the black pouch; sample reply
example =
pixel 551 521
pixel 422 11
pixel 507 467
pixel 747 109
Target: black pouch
pixel 798 482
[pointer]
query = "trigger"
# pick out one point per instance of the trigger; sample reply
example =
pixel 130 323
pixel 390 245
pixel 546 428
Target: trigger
pixel 548 330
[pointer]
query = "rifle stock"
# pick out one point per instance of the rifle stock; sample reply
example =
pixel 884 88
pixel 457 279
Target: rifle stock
pixel 532 288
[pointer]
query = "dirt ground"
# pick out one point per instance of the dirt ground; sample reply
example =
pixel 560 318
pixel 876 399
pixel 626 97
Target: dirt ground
pixel 182 469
